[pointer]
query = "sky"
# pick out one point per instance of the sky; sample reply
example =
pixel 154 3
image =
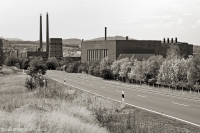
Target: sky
pixel 86 19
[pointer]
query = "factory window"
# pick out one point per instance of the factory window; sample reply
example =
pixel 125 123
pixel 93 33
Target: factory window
pixel 96 54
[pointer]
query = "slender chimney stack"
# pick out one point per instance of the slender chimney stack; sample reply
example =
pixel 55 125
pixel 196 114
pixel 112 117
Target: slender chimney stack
pixel 167 40
pixel 163 40
pixel 172 41
pixel 176 40
pixel 47 36
pixel 126 37
pixel 105 33
pixel 40 32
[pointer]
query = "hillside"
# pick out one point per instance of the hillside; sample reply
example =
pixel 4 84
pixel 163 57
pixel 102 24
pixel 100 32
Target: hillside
pixel 111 38
pixel 13 39
pixel 72 41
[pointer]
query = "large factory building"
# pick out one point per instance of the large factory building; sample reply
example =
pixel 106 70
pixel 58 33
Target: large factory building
pixel 141 49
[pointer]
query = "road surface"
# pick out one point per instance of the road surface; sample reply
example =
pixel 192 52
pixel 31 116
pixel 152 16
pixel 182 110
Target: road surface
pixel 176 106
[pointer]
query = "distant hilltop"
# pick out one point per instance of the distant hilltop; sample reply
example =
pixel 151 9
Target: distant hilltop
pixel 110 38
pixel 66 42
pixel 12 39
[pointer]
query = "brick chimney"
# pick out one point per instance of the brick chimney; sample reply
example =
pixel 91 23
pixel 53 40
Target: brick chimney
pixel 163 40
pixel 40 32
pixel 105 33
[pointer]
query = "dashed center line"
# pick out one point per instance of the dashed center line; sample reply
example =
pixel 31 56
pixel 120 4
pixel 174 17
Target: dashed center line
pixel 141 96
pixel 180 104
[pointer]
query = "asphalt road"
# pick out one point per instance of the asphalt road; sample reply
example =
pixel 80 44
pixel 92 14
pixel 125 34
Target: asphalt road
pixel 172 105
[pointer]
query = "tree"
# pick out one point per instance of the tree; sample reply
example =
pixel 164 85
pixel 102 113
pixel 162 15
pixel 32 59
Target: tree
pixel 194 71
pixel 122 56
pixel 1 60
pixel 37 66
pixel 52 63
pixel 104 69
pixel 153 66
pixel 173 52
pixel 124 67
pixel 173 72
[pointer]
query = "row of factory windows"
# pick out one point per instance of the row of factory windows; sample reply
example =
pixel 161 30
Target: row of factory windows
pixel 96 54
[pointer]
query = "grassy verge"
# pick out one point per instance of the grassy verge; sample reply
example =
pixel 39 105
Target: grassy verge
pixel 21 110
pixel 128 119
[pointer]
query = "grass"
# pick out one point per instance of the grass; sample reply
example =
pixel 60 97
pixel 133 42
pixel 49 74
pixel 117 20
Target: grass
pixel 21 109
pixel 117 120
pixel 56 109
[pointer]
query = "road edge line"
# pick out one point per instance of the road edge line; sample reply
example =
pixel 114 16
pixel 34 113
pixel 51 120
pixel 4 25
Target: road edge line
pixel 132 105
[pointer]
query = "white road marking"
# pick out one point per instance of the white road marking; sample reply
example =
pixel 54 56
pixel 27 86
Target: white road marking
pixel 180 104
pixel 135 106
pixel 148 91
pixel 141 96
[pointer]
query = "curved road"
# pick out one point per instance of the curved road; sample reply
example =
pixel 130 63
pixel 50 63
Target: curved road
pixel 176 106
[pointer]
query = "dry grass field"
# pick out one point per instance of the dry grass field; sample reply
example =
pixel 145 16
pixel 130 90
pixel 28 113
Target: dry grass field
pixel 21 110
pixel 59 108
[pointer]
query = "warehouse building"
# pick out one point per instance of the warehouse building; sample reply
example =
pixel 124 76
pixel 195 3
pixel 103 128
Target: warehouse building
pixel 141 49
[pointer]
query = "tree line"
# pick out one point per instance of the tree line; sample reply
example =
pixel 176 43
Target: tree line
pixel 174 71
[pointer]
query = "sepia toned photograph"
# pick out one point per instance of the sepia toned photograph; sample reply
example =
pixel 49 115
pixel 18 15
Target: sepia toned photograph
pixel 100 66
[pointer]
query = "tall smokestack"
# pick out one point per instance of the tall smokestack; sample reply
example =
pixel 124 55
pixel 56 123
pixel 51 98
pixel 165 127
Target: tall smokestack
pixel 176 40
pixel 105 33
pixel 163 40
pixel 172 40
pixel 47 36
pixel 126 37
pixel 40 32
pixel 167 40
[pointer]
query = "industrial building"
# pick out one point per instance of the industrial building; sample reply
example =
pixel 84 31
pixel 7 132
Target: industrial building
pixel 55 49
pixel 141 49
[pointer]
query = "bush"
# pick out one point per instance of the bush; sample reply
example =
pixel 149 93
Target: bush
pixel 106 73
pixel 37 66
pixel 30 84
pixel 58 68
pixel 11 61
pixel 52 63
pixel 25 64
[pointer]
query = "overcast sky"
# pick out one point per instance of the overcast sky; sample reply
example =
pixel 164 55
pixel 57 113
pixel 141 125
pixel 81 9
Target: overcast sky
pixel 86 19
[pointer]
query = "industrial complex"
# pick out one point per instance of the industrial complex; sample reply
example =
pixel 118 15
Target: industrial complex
pixel 141 49
pixel 52 50
pixel 96 50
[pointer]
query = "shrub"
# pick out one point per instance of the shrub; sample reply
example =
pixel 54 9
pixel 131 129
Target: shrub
pixel 11 61
pixel 37 66
pixel 30 83
pixel 58 68
pixel 25 64
pixel 106 73
pixel 52 63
